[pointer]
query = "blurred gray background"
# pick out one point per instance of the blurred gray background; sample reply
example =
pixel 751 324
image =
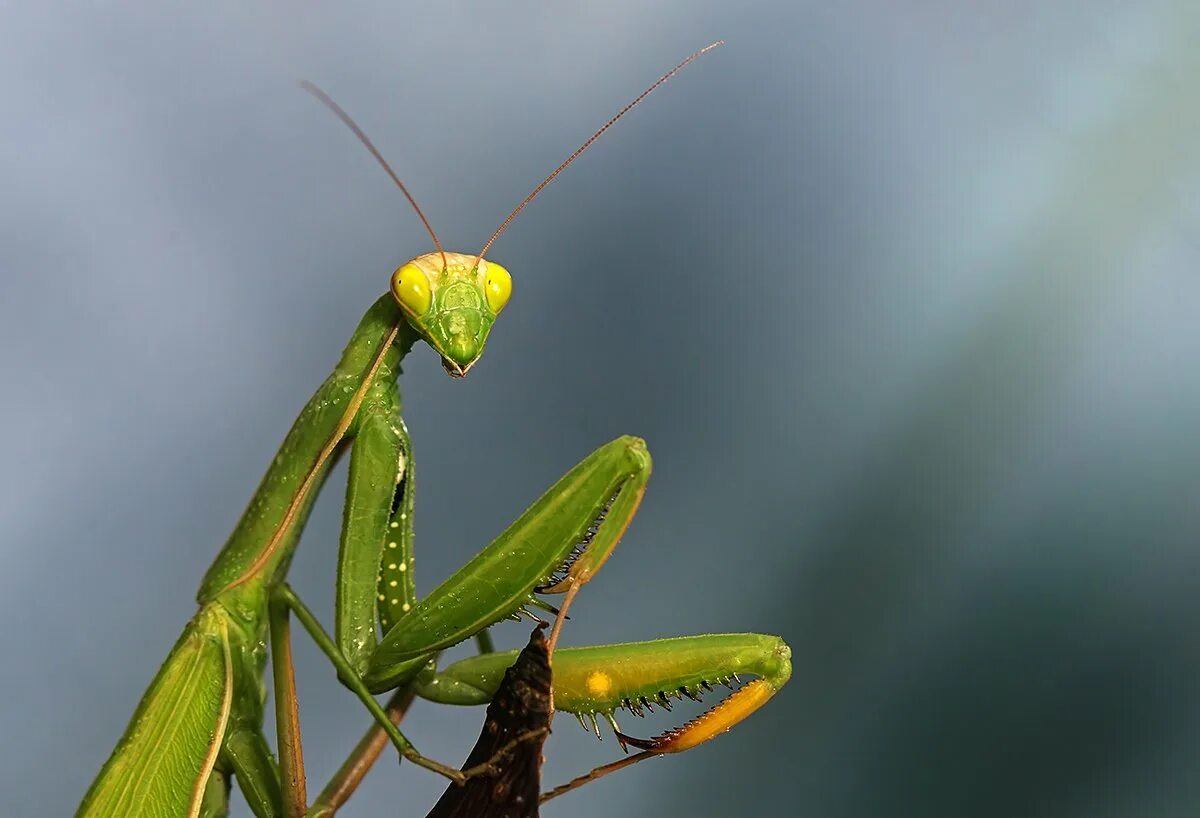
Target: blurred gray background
pixel 903 296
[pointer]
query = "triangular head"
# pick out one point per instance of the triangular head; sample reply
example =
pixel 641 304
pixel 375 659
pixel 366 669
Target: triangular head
pixel 452 300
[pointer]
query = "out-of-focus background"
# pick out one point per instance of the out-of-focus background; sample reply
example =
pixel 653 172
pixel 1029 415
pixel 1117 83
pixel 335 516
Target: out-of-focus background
pixel 904 297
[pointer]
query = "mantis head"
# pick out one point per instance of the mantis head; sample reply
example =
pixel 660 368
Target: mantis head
pixel 451 300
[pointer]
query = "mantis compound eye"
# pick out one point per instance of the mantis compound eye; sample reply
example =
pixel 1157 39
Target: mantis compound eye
pixel 410 286
pixel 497 285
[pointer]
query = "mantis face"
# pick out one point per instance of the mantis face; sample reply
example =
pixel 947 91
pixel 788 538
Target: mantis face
pixel 452 305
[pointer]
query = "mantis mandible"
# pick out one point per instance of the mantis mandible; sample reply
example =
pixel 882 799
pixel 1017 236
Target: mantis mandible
pixel 201 720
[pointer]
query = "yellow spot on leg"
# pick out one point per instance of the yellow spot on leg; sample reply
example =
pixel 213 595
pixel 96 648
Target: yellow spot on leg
pixel 599 683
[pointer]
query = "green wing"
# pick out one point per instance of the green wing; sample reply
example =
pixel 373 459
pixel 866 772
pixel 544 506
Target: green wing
pixel 162 763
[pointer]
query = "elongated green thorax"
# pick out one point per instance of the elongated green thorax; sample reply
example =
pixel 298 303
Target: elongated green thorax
pixel 256 551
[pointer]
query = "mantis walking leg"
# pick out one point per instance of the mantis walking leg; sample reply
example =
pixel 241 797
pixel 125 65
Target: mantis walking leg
pixel 291 794
pixel 347 778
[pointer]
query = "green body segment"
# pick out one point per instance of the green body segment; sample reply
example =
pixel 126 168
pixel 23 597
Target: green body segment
pixel 200 720
pixel 585 509
pixel 604 678
pixel 174 737
pixel 242 559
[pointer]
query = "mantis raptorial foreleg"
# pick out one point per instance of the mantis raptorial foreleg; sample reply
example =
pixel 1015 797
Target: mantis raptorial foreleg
pixel 292 795
pixel 560 542
pixel 636 677
pixel 568 532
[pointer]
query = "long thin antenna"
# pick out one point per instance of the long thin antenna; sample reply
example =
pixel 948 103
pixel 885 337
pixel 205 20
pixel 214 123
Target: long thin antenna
pixel 589 142
pixel 328 102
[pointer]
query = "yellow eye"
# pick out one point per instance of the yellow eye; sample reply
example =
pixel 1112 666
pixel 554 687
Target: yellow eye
pixel 410 286
pixel 497 286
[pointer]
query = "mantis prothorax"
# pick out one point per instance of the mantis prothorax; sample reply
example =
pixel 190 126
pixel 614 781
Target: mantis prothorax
pixel 201 719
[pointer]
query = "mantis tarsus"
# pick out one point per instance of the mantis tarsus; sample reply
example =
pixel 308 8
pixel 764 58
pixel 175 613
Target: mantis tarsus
pixel 201 720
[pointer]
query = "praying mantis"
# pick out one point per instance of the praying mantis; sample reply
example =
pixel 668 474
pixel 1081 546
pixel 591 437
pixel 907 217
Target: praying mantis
pixel 201 720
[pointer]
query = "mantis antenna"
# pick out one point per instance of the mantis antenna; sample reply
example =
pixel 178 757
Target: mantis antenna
pixel 328 102
pixel 587 144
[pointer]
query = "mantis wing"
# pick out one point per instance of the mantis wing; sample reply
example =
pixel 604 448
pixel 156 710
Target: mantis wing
pixel 160 767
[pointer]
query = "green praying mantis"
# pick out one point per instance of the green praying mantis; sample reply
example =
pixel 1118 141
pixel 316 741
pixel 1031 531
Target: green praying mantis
pixel 201 720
